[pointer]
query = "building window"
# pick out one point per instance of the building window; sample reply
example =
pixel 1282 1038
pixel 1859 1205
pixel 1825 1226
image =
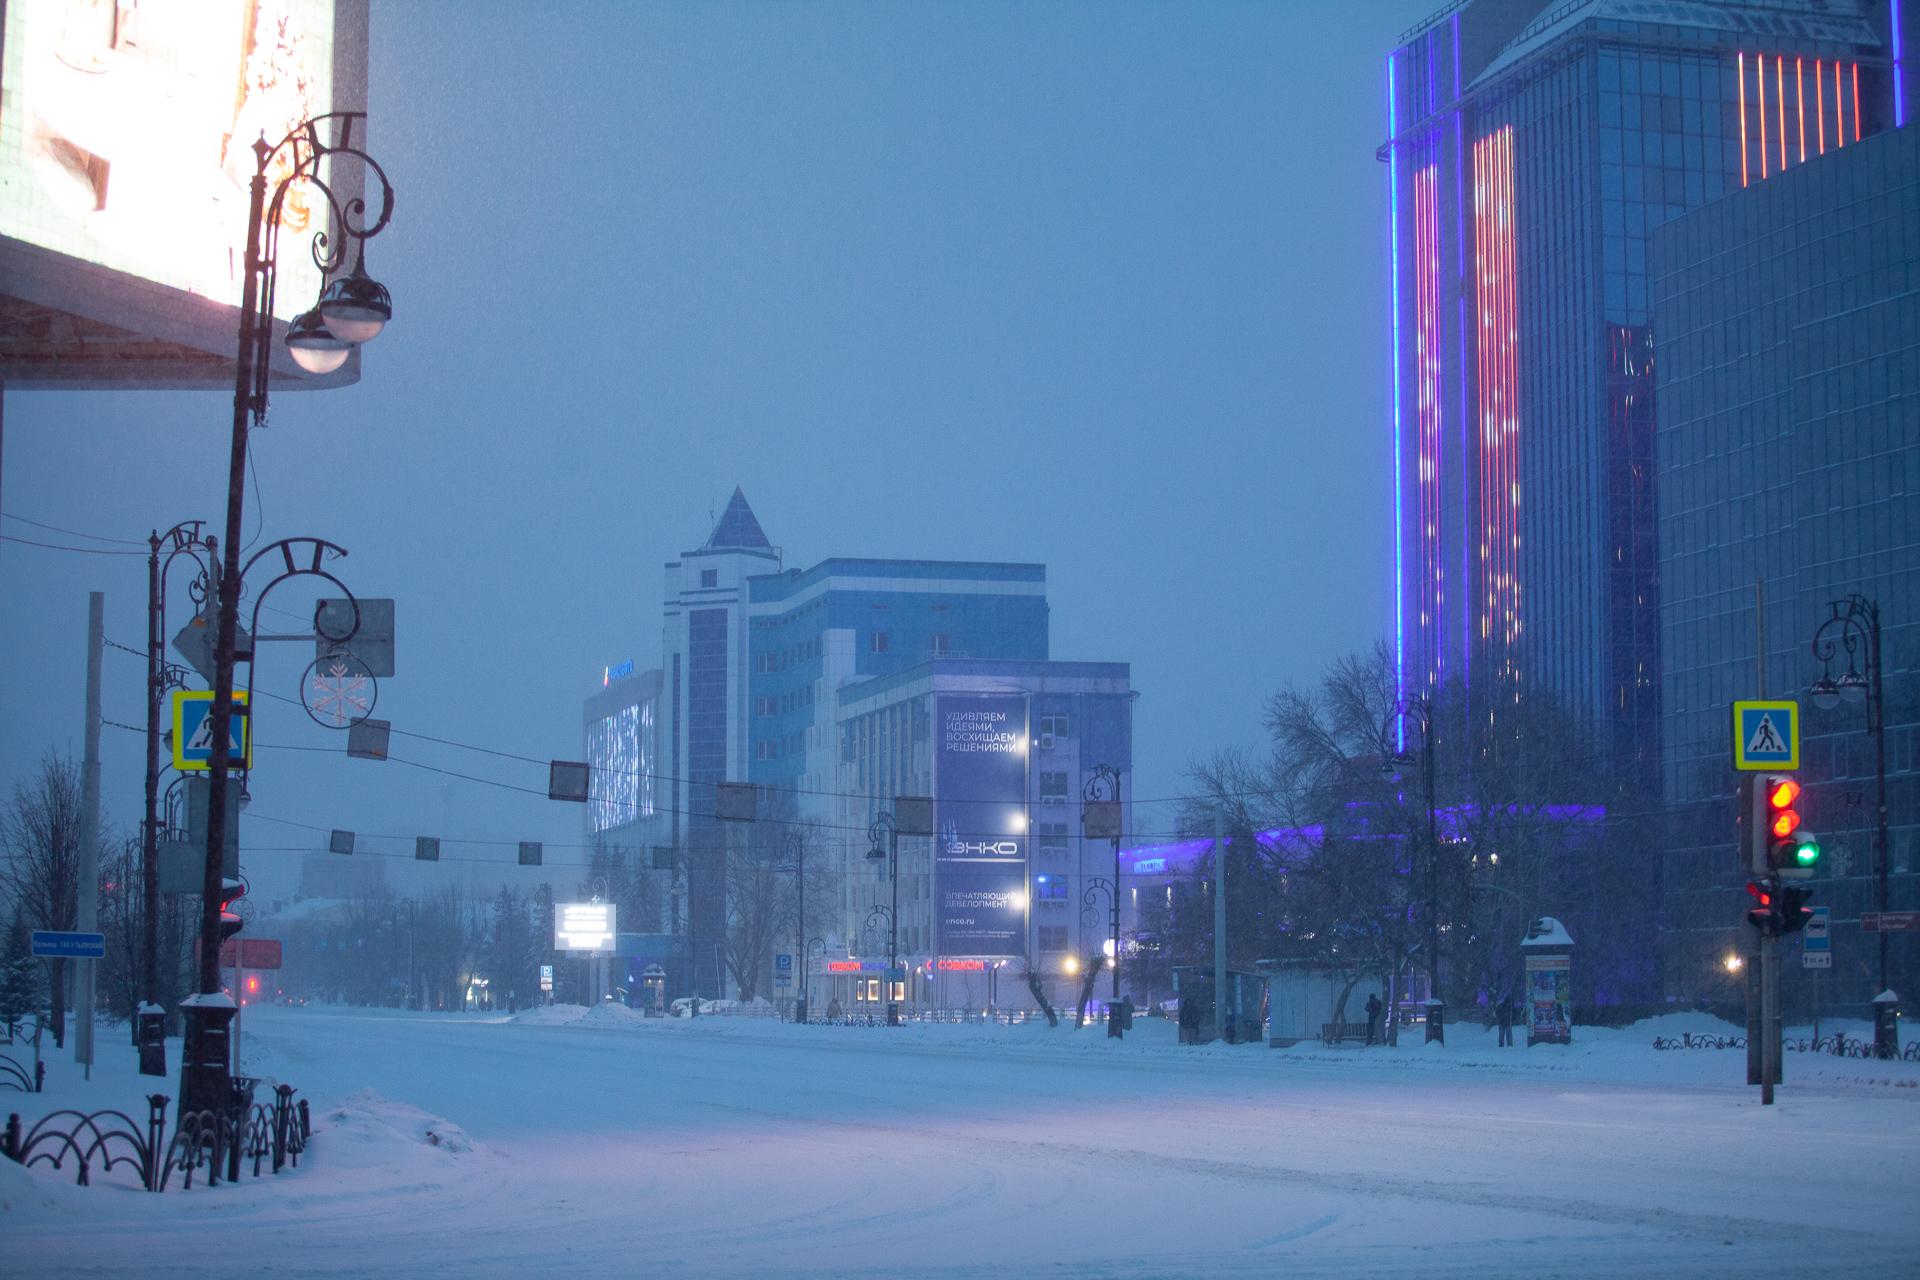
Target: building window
pixel 876 642
pixel 1053 787
pixel 709 577
pixel 1053 937
pixel 1050 888
pixel 763 749
pixel 1053 726
pixel 939 644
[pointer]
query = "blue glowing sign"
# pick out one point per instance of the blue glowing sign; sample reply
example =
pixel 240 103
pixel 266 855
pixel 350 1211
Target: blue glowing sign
pixel 980 825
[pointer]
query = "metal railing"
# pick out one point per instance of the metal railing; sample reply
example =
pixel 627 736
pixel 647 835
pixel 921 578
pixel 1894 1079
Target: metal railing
pixel 1839 1046
pixel 218 1143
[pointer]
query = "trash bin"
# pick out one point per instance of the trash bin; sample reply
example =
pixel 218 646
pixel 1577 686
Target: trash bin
pixel 1886 1025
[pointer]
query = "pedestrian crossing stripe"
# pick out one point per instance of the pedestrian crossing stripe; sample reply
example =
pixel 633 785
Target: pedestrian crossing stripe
pixel 1766 735
pixel 192 731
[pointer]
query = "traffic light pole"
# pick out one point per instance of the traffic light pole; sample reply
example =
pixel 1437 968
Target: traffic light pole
pixel 1769 1017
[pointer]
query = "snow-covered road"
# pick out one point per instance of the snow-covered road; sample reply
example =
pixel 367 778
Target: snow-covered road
pixel 612 1146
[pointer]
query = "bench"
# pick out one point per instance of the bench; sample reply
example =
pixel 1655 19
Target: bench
pixel 1333 1033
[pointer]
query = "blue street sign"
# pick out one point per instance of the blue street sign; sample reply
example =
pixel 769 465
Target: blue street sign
pixel 1818 936
pixel 192 744
pixel 57 944
pixel 1766 735
pixel 783 969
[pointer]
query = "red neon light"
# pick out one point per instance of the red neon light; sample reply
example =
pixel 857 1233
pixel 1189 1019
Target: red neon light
pixel 1780 104
pixel 843 966
pixel 1498 356
pixel 1426 268
pixel 1839 109
pixel 1800 98
pixel 1743 119
pixel 1760 81
pixel 963 966
pixel 1820 98
pixel 1856 102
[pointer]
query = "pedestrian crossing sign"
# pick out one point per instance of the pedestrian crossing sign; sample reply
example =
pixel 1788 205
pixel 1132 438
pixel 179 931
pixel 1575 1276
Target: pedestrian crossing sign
pixel 1766 735
pixel 192 731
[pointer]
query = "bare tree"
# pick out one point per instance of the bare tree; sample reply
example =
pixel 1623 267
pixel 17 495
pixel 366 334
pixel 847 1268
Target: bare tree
pixel 40 860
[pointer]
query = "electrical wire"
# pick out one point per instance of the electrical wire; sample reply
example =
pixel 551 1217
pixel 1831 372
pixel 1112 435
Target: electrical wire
pixel 55 546
pixel 76 533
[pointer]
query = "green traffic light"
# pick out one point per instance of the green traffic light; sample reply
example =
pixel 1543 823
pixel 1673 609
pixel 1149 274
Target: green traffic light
pixel 1806 853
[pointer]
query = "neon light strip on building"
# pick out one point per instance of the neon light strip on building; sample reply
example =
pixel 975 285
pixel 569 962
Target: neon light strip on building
pixel 1770 125
pixel 1399 461
pixel 1426 280
pixel 1742 82
pixel 1899 72
pixel 1499 369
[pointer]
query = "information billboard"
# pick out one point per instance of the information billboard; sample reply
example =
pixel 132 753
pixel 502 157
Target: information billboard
pixel 583 926
pixel 980 824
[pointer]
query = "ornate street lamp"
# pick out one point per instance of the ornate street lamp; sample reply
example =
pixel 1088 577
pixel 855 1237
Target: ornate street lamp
pixel 1852 627
pixel 354 306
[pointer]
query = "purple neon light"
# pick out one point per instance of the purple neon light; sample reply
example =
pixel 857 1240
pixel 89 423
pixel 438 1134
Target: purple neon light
pixel 1399 538
pixel 1899 73
pixel 1466 419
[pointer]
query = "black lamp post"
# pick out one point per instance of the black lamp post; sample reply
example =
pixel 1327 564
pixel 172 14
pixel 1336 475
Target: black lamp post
pixel 1420 709
pixel 1852 627
pixel 883 833
pixel 814 946
pixel 183 539
pixel 1100 816
pixel 795 847
pixel 350 310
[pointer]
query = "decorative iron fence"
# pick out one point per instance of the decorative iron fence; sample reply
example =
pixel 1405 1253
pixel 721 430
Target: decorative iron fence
pixel 1840 1046
pixel 217 1144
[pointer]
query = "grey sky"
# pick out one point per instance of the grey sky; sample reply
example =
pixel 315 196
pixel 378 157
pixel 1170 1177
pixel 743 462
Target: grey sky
pixel 1097 286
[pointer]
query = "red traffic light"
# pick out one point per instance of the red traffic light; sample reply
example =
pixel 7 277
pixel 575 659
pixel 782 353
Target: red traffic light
pixel 1782 792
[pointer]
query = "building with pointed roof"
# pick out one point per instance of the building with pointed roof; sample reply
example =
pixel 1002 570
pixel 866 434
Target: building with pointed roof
pixel 824 687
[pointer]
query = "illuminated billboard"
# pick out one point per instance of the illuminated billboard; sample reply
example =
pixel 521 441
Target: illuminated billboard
pixel 126 138
pixel 620 752
pixel 583 926
pixel 980 825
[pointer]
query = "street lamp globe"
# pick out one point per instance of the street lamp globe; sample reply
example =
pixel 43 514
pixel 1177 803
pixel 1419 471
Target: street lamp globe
pixel 315 347
pixel 355 307
pixel 1825 694
pixel 1853 686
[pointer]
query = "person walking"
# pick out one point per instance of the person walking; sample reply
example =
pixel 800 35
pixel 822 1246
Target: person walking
pixel 1505 1013
pixel 1373 1018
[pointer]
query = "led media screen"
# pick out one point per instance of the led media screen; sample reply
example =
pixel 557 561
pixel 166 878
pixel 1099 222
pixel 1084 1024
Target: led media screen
pixel 620 751
pixel 127 130
pixel 980 825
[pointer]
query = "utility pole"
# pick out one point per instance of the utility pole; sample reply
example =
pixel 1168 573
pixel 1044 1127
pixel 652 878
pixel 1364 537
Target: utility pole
pixel 89 913
pixel 1219 920
pixel 1769 945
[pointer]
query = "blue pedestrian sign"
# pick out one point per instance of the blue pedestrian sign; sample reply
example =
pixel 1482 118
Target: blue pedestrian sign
pixel 61 944
pixel 192 739
pixel 1766 735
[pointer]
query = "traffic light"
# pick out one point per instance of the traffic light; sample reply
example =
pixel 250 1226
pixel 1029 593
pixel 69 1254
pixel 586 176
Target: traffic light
pixel 1790 908
pixel 1793 853
pixel 231 891
pixel 1778 908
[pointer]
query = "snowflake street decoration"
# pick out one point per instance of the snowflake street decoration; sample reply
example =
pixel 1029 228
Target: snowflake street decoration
pixel 339 691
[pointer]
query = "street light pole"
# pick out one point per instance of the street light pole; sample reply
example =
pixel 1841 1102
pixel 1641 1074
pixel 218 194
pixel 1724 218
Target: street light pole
pixel 1853 624
pixel 349 311
pixel 885 828
pixel 1100 815
pixel 1421 709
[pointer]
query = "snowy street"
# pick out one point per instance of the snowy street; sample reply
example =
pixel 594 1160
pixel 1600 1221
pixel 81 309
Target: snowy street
pixel 609 1145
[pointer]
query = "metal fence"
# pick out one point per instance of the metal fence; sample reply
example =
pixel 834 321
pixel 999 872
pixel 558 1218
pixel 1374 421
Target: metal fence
pixel 1840 1046
pixel 217 1144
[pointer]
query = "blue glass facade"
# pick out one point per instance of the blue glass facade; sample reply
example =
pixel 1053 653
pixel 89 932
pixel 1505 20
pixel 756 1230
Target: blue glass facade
pixel 1533 149
pixel 1789 452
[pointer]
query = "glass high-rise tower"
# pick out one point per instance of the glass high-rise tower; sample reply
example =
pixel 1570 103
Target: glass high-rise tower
pixel 1532 147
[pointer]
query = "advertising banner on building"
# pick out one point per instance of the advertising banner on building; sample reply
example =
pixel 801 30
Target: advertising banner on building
pixel 980 825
